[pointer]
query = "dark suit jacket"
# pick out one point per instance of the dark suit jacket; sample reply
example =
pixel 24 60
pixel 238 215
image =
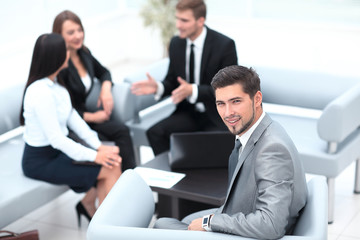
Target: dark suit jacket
pixel 74 83
pixel 267 189
pixel 219 52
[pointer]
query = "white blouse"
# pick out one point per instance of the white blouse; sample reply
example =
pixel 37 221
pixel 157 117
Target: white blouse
pixel 87 82
pixel 48 113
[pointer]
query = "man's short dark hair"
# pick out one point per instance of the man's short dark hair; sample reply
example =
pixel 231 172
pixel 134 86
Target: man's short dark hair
pixel 246 77
pixel 198 7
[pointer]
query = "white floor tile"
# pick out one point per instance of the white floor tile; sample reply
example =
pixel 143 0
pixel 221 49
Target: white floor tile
pixel 48 231
pixel 346 209
pixel 20 225
pixel 65 198
pixel 352 230
pixel 332 237
pixel 146 154
pixel 344 183
pixel 52 232
pixel 64 216
pixel 347 238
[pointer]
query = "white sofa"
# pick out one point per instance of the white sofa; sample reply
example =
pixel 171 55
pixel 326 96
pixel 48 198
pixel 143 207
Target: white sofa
pixel 19 195
pixel 327 143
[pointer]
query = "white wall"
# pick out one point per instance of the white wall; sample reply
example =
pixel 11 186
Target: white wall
pixel 318 35
pixel 321 35
pixel 113 32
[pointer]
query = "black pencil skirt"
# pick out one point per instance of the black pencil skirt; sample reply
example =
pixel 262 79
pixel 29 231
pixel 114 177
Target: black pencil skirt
pixel 53 166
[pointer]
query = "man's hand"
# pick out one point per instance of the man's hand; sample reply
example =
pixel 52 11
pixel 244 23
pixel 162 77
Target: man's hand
pixel 196 225
pixel 144 87
pixel 181 92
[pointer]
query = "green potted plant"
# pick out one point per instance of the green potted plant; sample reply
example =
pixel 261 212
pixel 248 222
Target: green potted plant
pixel 160 15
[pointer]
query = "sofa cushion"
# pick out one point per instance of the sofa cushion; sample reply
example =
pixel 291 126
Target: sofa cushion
pixel 20 195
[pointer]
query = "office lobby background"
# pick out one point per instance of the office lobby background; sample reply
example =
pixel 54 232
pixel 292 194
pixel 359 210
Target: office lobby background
pixel 317 35
pixel 311 35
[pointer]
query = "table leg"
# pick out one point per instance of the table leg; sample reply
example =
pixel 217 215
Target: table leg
pixel 175 208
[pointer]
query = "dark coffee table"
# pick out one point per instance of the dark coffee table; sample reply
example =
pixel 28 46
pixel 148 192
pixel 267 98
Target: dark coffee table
pixel 199 189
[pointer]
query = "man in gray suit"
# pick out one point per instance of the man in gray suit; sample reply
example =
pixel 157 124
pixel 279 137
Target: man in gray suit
pixel 267 185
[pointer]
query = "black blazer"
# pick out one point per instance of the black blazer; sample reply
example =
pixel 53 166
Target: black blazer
pixel 74 84
pixel 219 52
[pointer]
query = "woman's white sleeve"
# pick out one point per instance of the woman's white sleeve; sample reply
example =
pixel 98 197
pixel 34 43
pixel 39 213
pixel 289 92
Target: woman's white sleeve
pixel 45 108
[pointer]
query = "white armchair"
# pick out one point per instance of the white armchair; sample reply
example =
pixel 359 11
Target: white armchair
pixel 129 207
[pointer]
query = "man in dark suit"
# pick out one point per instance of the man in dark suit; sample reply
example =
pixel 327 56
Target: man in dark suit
pixel 187 80
pixel 267 187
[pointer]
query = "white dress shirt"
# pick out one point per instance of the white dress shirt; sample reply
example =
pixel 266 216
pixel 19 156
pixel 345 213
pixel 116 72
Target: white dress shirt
pixel 48 112
pixel 246 136
pixel 198 49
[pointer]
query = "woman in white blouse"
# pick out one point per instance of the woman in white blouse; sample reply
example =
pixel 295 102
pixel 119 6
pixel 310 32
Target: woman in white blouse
pixel 47 113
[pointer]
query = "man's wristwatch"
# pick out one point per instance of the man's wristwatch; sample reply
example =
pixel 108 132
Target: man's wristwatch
pixel 206 223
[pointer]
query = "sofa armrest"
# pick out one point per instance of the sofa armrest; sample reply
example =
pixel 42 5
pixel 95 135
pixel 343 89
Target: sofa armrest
pixel 341 117
pixel 10 105
pixel 313 221
pixel 11 134
pixel 124 101
pixel 158 71
pixel 147 118
pixel 157 111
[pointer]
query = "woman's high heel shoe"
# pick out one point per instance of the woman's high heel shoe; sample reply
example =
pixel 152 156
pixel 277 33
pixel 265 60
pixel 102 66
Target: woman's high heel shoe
pixel 80 210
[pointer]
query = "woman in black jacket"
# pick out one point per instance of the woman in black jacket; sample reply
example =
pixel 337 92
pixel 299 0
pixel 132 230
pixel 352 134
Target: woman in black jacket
pixel 79 79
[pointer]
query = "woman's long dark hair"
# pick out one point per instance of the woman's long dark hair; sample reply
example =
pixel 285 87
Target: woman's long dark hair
pixel 48 56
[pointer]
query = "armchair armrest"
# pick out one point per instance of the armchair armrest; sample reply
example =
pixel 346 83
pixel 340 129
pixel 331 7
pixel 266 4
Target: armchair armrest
pixel 10 105
pixel 157 111
pixel 124 101
pixel 134 233
pixel 341 117
pixel 147 118
pixel 158 71
pixel 130 203
pixel 106 232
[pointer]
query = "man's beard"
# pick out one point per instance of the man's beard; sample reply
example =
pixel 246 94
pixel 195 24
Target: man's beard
pixel 246 125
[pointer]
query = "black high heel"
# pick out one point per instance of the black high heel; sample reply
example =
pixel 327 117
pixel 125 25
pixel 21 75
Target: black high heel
pixel 80 210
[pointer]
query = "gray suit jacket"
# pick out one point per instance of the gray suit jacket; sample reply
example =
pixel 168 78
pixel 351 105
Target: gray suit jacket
pixel 268 188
